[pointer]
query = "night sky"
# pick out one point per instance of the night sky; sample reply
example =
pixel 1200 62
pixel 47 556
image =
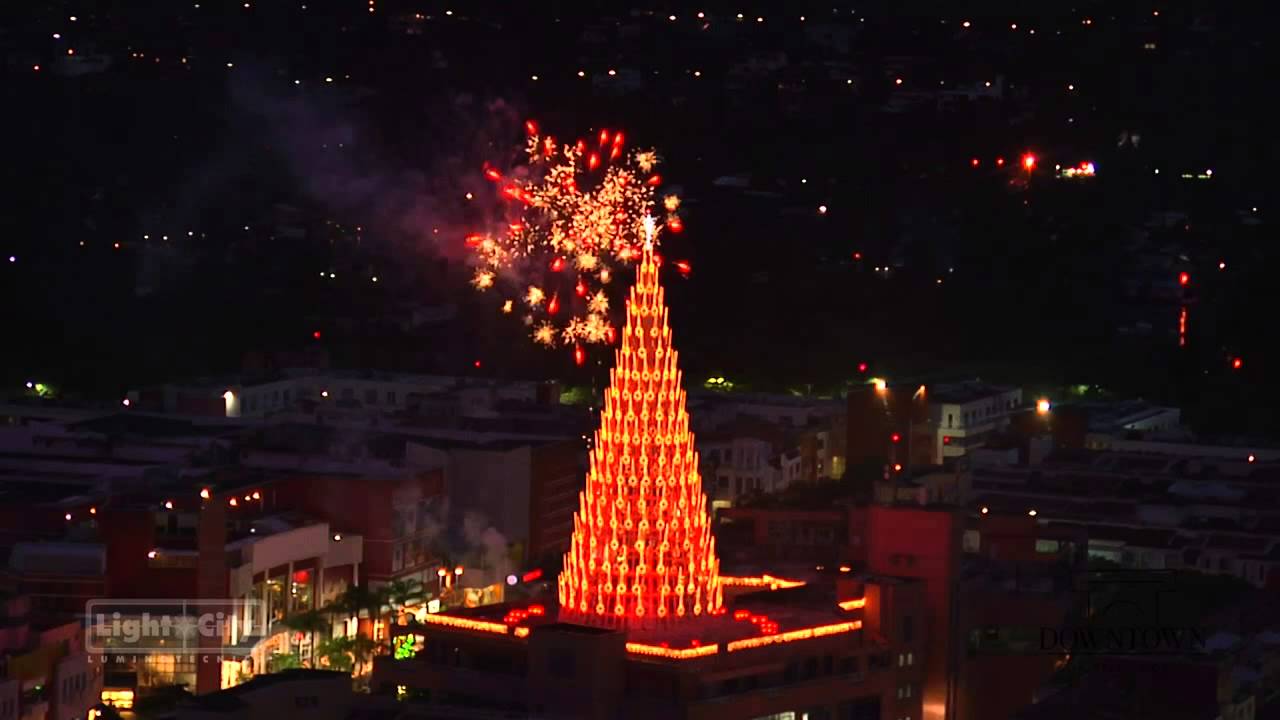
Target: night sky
pixel 180 187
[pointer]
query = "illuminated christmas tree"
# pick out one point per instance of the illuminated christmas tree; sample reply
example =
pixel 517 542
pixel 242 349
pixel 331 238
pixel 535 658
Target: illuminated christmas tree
pixel 642 553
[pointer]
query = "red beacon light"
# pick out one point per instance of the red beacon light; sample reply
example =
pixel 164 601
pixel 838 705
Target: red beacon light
pixel 1184 279
pixel 1029 162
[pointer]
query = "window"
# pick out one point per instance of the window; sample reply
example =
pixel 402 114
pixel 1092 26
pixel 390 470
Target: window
pixel 908 628
pixel 723 482
pixel 391 397
pixel 902 660
pixel 371 397
pixel 348 393
pixel 1047 546
pixel 911 659
pixel 950 417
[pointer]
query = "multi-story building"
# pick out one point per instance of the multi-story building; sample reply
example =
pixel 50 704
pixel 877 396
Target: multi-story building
pixel 966 415
pixel 44 669
pixel 772 653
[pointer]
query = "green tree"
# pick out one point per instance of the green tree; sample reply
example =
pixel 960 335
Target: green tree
pixel 346 654
pixel 283 661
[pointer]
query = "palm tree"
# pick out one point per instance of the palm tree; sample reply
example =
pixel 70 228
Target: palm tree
pixel 400 593
pixel 310 622
pixel 356 598
pixel 404 592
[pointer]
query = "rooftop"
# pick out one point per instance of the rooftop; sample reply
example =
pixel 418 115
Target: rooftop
pixel 231 698
pixel 966 392
pixel 762 617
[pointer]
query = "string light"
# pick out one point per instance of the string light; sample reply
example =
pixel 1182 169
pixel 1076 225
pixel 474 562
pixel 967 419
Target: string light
pixel 681 654
pixel 794 635
pixel 467 624
pixel 769 581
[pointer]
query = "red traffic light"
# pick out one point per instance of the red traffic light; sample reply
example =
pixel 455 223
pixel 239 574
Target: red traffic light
pixel 1029 162
pixel 1237 363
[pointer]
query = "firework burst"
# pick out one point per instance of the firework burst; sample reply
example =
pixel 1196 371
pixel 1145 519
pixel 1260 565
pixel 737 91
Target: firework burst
pixel 577 212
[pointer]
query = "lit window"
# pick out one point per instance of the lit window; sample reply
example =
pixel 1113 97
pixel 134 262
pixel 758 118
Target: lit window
pixel 1047 546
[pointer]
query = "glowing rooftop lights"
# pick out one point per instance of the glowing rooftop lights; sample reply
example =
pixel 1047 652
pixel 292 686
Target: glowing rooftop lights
pixel 853 604
pixel 672 654
pixel 880 384
pixel 496 628
pixel 1043 406
pixel 794 635
pixel 769 581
